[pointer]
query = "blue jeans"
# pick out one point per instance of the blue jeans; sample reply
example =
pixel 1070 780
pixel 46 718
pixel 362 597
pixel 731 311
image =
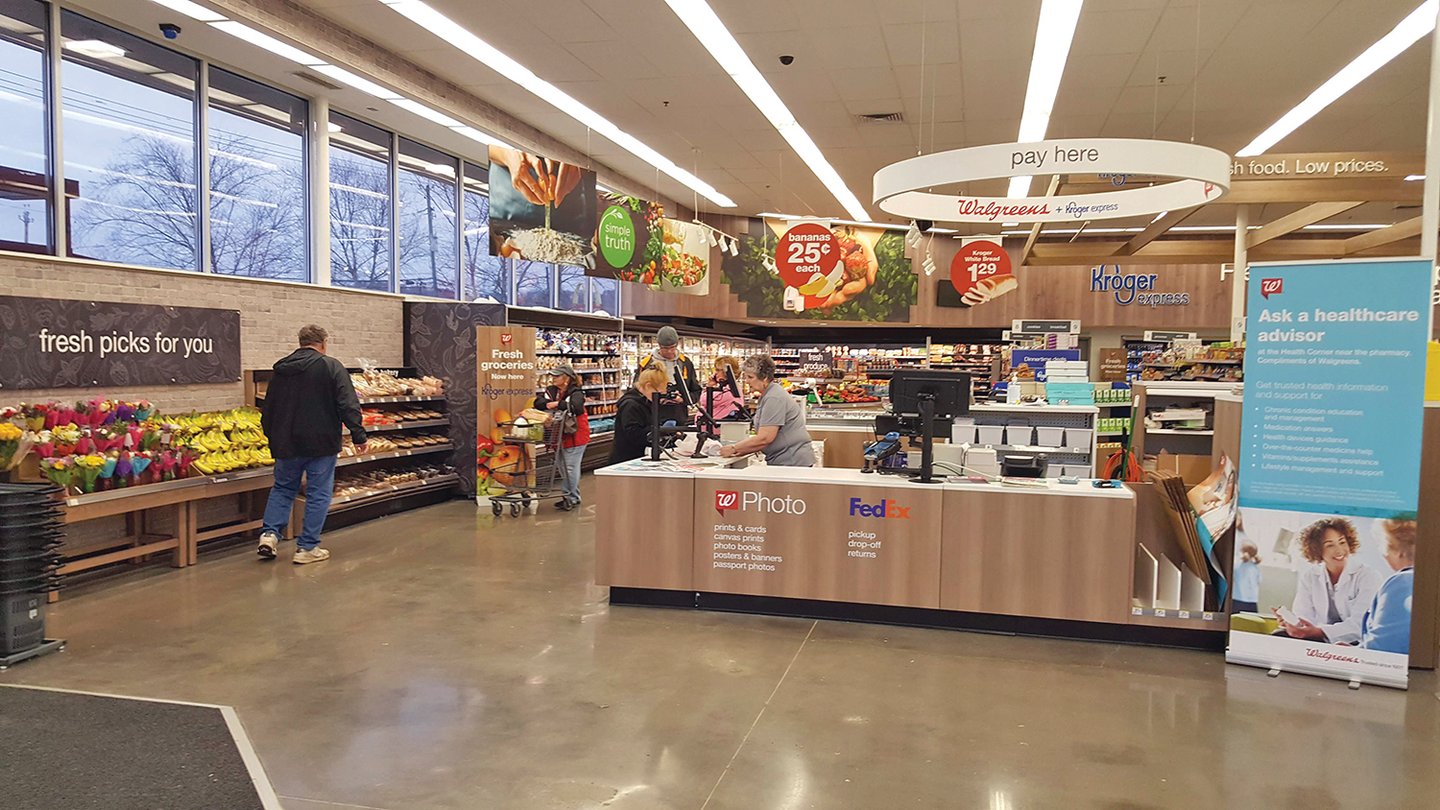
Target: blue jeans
pixel 319 490
pixel 569 460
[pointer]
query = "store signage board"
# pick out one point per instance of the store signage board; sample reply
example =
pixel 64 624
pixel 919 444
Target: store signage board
pixel 1113 364
pixel 980 272
pixel 1131 287
pixel 49 343
pixel 507 380
pixel 1045 328
pixel 1307 166
pixel 1197 175
pixel 1157 336
pixel 1035 359
pixel 1330 454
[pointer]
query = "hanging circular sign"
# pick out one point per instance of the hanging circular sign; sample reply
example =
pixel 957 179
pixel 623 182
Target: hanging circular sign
pixel 616 236
pixel 981 271
pixel 1201 175
pixel 808 259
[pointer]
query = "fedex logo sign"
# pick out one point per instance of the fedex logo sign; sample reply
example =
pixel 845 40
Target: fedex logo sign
pixel 726 499
pixel 886 508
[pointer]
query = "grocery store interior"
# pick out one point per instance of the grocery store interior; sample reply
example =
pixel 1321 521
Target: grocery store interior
pixel 788 404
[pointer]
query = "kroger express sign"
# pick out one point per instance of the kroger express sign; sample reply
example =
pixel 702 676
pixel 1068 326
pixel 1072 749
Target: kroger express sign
pixel 1133 288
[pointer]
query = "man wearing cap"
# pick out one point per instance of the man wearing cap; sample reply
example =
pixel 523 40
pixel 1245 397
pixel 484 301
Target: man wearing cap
pixel 667 356
pixel 564 398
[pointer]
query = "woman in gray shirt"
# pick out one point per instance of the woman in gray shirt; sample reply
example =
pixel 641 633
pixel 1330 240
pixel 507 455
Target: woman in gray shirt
pixel 779 420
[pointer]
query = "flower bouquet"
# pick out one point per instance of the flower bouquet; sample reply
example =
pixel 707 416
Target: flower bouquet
pixel 88 468
pixel 59 471
pixel 11 440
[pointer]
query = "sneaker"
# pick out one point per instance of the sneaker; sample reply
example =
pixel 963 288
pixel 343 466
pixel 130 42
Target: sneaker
pixel 268 543
pixel 564 505
pixel 314 555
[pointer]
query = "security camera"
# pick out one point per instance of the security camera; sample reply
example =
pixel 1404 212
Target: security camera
pixel 787 59
pixel 170 30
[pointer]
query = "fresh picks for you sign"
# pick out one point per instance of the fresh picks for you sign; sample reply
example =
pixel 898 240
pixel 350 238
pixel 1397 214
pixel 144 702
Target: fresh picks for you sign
pixel 47 343
pixel 1330 467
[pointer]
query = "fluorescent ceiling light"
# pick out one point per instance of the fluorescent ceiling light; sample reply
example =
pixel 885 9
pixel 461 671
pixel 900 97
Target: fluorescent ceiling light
pixel 1053 37
pixel 1420 22
pixel 456 35
pixel 261 39
pixel 1414 177
pixel 360 83
pixel 192 10
pixel 717 39
pixel 96 48
pixel 476 135
pixel 421 110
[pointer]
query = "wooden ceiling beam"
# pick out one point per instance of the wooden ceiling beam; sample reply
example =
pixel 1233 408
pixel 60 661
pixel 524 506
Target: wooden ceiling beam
pixel 1155 230
pixel 1309 215
pixel 1383 236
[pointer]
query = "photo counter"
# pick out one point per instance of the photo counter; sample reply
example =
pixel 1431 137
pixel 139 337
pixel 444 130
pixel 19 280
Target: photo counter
pixel 1051 558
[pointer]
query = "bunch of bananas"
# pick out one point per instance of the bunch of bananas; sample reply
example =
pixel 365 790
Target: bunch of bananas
pixel 224 440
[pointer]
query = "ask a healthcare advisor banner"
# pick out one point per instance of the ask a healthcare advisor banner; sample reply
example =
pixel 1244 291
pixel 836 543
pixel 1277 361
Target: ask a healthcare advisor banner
pixel 1330 467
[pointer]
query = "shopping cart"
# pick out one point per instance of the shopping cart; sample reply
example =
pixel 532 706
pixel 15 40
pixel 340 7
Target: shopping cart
pixel 536 471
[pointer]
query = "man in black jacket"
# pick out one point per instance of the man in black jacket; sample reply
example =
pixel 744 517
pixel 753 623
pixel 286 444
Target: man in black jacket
pixel 309 399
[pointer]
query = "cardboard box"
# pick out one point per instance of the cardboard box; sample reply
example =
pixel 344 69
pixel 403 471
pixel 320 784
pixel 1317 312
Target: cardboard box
pixel 1191 469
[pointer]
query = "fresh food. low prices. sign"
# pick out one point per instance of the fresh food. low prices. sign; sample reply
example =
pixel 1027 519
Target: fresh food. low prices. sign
pixel 1202 176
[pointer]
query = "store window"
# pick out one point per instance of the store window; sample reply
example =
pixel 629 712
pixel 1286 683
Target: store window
pixel 534 282
pixel 129 125
pixel 573 292
pixel 484 276
pixel 360 250
pixel 24 167
pixel 257 180
pixel 605 296
pixel 429 225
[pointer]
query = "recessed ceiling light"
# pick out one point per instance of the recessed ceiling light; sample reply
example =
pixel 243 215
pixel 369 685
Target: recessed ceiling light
pixel 260 39
pixel 192 10
pixel 717 39
pixel 1414 177
pixel 95 48
pixel 1410 30
pixel 1053 36
pixel 478 49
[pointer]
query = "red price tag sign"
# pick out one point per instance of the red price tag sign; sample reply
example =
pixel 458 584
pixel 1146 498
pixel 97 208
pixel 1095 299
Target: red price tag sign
pixel 805 250
pixel 979 272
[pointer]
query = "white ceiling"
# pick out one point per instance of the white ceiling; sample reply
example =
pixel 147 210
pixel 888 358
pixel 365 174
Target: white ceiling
pixel 1230 69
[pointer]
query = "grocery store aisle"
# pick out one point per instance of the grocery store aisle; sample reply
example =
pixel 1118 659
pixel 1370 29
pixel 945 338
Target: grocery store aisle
pixel 444 659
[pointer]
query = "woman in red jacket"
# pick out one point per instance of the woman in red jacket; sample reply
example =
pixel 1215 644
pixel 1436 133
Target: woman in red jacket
pixel 563 398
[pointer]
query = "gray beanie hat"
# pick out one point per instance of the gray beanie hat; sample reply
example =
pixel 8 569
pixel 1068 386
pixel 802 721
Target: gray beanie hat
pixel 565 370
pixel 668 336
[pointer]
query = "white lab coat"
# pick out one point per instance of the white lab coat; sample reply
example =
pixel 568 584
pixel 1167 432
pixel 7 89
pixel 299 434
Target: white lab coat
pixel 1353 594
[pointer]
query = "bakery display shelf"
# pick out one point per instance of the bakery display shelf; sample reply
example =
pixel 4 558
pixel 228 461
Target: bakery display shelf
pixel 602 402
pixel 596 370
pixel 380 493
pixel 259 395
pixel 557 353
pixel 368 457
pixel 418 423
pixel 600 387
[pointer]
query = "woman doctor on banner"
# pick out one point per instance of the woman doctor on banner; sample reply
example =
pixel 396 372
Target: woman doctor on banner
pixel 1333 593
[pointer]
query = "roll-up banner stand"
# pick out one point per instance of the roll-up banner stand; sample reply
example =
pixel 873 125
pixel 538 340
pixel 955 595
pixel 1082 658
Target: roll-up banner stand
pixel 1330 467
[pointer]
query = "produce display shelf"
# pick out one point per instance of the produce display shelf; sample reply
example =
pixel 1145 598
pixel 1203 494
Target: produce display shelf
pixel 368 457
pixel 165 486
pixel 418 423
pixel 409 487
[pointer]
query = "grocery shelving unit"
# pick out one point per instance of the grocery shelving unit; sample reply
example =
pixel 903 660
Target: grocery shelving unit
pixel 1160 396
pixel 382 498
pixel 878 362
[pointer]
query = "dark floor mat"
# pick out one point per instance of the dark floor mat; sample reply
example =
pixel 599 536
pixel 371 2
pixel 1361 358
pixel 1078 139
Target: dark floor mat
pixel 75 751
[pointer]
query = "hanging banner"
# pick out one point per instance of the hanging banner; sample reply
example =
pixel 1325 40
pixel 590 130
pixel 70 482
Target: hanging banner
pixel 877 283
pixel 980 272
pixel 541 210
pixel 685 263
pixel 1330 468
pixel 629 241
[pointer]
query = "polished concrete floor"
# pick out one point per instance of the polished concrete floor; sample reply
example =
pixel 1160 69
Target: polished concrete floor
pixel 444 659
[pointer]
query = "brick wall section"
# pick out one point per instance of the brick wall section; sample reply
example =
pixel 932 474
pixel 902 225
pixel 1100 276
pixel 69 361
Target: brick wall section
pixel 362 325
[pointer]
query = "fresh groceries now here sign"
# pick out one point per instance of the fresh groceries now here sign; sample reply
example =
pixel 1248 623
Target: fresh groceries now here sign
pixel 77 344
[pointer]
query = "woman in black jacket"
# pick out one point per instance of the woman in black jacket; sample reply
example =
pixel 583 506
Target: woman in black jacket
pixel 632 415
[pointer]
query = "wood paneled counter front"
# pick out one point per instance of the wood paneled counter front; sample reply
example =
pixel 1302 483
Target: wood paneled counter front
pixel 1054 558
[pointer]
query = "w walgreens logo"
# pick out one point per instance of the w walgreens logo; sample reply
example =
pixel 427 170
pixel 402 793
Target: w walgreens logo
pixel 726 499
pixel 1271 286
pixel 506 338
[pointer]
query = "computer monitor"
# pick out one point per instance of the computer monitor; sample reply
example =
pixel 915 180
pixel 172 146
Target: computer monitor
pixel 947 391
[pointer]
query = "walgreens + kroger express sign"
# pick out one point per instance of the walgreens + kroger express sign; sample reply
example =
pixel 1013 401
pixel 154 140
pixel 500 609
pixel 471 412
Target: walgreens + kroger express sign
pixel 1133 288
